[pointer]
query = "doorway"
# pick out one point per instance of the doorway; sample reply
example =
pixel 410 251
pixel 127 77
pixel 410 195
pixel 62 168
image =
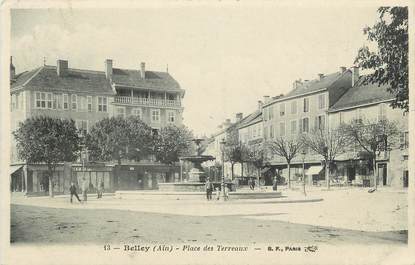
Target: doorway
pixel 351 174
pixel 383 174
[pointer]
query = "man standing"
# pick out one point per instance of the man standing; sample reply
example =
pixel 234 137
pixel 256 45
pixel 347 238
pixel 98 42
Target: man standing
pixel 72 189
pixel 209 189
pixel 100 188
pixel 85 189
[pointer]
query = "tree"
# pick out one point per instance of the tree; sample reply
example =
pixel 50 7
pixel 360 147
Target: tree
pixel 327 143
pixel 373 137
pixel 256 154
pixel 234 150
pixel 390 61
pixel 47 140
pixel 116 138
pixel 172 142
pixel 286 148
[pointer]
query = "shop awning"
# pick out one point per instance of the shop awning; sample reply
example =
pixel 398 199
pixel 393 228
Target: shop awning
pixel 314 170
pixel 265 169
pixel 14 169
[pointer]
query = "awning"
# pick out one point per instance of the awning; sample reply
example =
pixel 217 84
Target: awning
pixel 314 170
pixel 14 169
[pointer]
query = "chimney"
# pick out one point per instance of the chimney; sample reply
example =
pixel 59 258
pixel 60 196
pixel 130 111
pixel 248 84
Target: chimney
pixel 108 68
pixel 62 67
pixel 342 69
pixel 321 76
pixel 220 126
pixel 260 104
pixel 239 116
pixel 266 99
pixel 12 69
pixel 143 70
pixel 297 83
pixel 355 75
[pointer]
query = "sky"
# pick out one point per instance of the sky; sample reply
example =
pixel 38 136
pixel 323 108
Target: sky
pixel 225 57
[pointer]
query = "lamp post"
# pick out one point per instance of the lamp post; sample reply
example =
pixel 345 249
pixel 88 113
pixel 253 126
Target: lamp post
pixel 222 144
pixel 303 153
pixel 325 151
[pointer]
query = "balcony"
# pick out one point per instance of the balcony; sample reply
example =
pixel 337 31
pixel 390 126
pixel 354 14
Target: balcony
pixel 147 101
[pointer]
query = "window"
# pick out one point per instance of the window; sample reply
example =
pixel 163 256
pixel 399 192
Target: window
pixel 282 128
pixel 120 111
pixel 304 125
pixel 321 122
pixel 282 109
pixel 82 125
pixel 321 101
pixel 89 102
pixel 65 101
pixel 137 112
pixel 306 106
pixel 171 117
pixel 102 104
pixel 294 107
pixel 271 131
pixel 55 101
pixel 266 132
pixel 404 140
pixel 293 127
pixel 74 102
pixel 44 100
pixel 271 112
pixel 254 133
pixel 155 115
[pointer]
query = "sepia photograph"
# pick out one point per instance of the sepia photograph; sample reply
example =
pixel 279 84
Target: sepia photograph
pixel 191 131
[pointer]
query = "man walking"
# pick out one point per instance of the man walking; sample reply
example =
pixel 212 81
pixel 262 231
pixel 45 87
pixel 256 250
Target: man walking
pixel 72 189
pixel 85 185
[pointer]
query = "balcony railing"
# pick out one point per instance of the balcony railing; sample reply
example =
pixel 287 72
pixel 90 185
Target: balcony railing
pixel 147 101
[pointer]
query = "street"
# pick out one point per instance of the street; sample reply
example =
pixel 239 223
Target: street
pixel 110 220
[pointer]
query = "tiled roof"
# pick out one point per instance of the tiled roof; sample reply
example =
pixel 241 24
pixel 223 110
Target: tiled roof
pixel 362 93
pixel 314 85
pixel 252 118
pixel 311 86
pixel 46 78
pixel 155 80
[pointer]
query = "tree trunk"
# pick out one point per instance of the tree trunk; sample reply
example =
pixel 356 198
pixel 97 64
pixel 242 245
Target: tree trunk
pixel 327 174
pixel 232 165
pixel 50 183
pixel 375 177
pixel 289 175
pixel 242 169
pixel 259 176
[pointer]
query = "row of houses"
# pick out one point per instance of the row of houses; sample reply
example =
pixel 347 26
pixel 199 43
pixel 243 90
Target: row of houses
pixel 87 96
pixel 323 103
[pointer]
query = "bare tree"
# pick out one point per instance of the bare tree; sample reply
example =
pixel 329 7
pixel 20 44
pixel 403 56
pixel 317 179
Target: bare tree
pixel 286 148
pixel 373 136
pixel 327 143
pixel 255 155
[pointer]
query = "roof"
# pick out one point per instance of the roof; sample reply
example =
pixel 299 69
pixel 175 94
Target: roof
pixel 155 80
pixel 252 118
pixel 363 93
pixel 46 78
pixel 311 86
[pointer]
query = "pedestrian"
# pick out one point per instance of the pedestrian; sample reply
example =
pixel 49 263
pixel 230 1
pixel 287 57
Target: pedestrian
pixel 72 189
pixel 250 183
pixel 85 185
pixel 226 193
pixel 100 188
pixel 217 193
pixel 274 186
pixel 209 189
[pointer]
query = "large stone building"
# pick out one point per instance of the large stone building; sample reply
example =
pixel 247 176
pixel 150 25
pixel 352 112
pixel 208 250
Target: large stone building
pixel 88 96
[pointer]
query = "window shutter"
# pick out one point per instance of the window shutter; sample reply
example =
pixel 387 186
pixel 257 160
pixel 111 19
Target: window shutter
pixel 316 125
pixel 300 125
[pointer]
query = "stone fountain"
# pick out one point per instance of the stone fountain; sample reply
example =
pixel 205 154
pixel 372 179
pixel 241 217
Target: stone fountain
pixel 196 175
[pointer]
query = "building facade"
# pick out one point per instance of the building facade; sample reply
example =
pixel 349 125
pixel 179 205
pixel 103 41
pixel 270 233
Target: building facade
pixel 88 96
